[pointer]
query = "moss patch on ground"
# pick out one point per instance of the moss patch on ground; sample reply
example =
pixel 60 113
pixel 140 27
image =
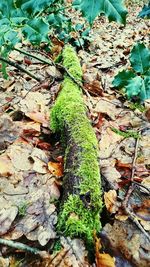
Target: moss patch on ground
pixel 78 216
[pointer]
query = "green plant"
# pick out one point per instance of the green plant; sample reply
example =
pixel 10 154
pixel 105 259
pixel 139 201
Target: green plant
pixel 145 12
pixel 136 82
pixel 22 209
pixel 138 106
pixel 57 247
pixel 113 9
pixel 36 21
pixel 126 134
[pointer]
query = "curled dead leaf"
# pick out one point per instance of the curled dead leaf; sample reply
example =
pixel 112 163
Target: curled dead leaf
pixel 102 259
pixel 6 167
pixel 55 168
pixel 38 117
pixel 7 216
pixel 110 199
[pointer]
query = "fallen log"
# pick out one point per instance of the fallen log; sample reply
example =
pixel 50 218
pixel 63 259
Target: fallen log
pixel 81 201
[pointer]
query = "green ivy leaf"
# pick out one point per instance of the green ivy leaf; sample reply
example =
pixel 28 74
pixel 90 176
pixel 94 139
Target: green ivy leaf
pixel 145 91
pixel 36 31
pixel 134 87
pixel 140 58
pixel 113 9
pixel 145 12
pixel 122 78
pixel 8 10
pixel 32 7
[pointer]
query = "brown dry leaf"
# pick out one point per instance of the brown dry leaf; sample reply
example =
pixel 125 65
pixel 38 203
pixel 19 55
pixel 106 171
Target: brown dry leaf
pixel 105 260
pixel 19 155
pixel 55 168
pixel 4 262
pixel 6 167
pixel 94 88
pixel 7 216
pixel 38 117
pixel 73 254
pixel 145 147
pixel 128 240
pixel 57 47
pixel 142 211
pixel 121 217
pixel 147 114
pixel 105 106
pixel 36 103
pixel 145 224
pixel 40 159
pixel 110 199
pixel 31 125
pixel 109 141
pixel 39 220
pixel 102 259
pixel 110 173
pixel 146 182
pixel 8 131
pixel 7 83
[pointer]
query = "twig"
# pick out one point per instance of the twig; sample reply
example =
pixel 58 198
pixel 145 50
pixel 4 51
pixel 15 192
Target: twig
pixel 17 66
pixel 75 81
pixel 141 185
pixel 130 190
pixel 134 220
pixel 33 56
pixel 35 88
pixel 20 246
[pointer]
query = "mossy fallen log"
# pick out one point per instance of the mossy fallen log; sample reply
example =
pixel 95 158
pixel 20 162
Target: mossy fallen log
pixel 81 201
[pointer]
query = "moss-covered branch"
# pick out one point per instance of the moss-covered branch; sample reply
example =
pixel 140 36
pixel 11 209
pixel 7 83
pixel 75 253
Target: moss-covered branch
pixel 81 205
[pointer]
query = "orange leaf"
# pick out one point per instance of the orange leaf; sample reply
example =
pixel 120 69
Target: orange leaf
pixel 105 260
pixel 110 198
pixel 55 168
pixel 102 259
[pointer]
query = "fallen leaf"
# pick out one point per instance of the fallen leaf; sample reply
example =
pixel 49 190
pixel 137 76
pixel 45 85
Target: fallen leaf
pixel 111 175
pixel 102 259
pixel 94 88
pixel 7 216
pixel 105 106
pixel 121 217
pixel 19 155
pixel 55 168
pixel 110 199
pixel 6 167
pixel 38 117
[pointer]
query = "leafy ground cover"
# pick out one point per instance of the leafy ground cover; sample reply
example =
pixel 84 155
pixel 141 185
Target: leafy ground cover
pixel 31 156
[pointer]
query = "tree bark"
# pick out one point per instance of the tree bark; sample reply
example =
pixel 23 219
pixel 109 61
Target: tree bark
pixel 81 201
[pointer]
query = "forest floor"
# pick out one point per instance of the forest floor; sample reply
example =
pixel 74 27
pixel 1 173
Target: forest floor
pixel 31 157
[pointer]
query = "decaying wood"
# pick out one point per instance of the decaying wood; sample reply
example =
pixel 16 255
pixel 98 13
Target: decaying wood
pixel 81 201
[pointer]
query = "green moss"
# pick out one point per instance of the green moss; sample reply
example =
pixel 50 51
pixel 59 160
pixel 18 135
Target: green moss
pixel 138 106
pixel 76 220
pixel 23 208
pixel 57 247
pixel 69 111
pixel 126 134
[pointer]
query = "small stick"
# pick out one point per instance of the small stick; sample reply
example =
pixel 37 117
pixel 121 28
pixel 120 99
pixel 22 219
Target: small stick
pixel 75 81
pixel 20 246
pixel 33 56
pixel 141 185
pixel 134 220
pixel 130 190
pixel 17 66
